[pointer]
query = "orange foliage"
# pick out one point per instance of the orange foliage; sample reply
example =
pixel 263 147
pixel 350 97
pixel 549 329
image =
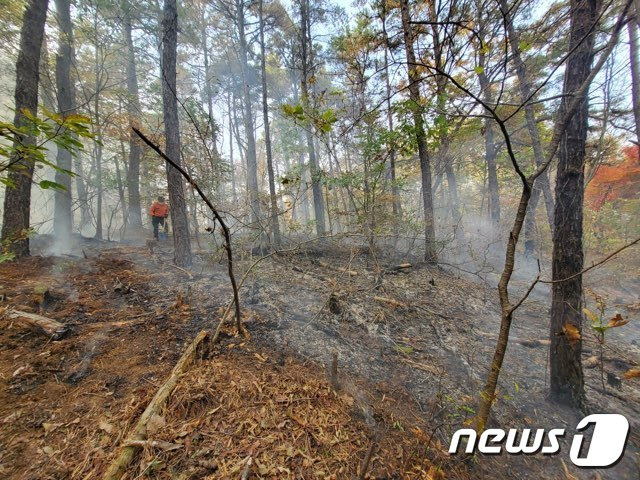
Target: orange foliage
pixel 612 182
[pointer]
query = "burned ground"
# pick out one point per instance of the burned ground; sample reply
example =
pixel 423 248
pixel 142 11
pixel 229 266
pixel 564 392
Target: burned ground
pixel 413 344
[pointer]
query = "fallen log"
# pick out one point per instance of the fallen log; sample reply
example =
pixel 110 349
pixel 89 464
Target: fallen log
pixel 132 445
pixel 45 325
pixel 403 267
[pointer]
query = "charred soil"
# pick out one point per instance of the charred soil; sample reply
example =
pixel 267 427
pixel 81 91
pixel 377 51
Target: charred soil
pixel 412 346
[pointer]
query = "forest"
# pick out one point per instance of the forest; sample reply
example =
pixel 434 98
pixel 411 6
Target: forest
pixel 303 239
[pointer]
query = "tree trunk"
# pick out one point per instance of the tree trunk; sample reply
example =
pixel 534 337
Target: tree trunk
pixel 634 50
pixel 17 199
pixel 134 112
pixel 307 74
pixel 301 198
pixel 441 121
pixel 98 160
pixel 541 185
pixel 179 221
pixel 81 191
pixel 396 205
pixel 97 149
pixel 489 145
pixel 217 184
pixel 566 377
pixel 247 118
pixel 421 137
pixel 62 218
pixel 121 197
pixel 232 166
pixel 275 228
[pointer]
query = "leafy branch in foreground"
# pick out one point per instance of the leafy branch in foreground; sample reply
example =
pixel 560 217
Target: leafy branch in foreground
pixel 63 130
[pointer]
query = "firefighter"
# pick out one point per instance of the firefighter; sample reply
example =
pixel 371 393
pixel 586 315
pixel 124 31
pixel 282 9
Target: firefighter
pixel 159 212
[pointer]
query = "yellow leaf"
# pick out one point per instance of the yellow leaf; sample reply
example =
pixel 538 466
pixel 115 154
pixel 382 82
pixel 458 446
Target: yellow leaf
pixel 592 316
pixel 571 332
pixel 632 373
pixel 617 321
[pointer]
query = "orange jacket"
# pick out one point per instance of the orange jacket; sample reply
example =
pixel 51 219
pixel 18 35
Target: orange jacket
pixel 159 210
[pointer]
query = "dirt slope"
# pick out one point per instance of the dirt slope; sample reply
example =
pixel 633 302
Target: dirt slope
pixel 413 347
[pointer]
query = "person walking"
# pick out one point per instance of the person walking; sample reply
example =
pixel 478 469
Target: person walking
pixel 159 212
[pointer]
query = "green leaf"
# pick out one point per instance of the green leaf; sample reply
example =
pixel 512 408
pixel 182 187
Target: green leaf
pixel 479 70
pixel 599 328
pixel 524 46
pixel 47 184
pixel 405 349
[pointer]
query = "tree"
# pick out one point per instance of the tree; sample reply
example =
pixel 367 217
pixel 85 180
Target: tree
pixel 179 221
pixel 397 202
pixel 430 254
pixel 247 115
pixel 133 111
pixel 306 54
pixel 63 221
pixel 17 200
pixel 566 377
pixel 634 51
pixel 442 123
pixel 542 184
pixel 490 153
pixel 275 228
pixel 100 80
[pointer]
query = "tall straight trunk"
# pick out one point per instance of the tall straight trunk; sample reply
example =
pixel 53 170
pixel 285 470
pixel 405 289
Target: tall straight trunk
pixel 81 192
pixel 17 199
pixel 566 376
pixel 443 127
pixel 47 88
pixel 120 177
pixel 301 199
pixel 242 151
pixel 133 112
pixel 430 254
pixel 396 204
pixel 634 51
pixel 121 197
pixel 232 167
pixel 179 221
pixel 96 113
pixel 489 145
pixel 212 130
pixel 334 190
pixel 100 190
pixel 275 228
pixel 62 218
pixel 247 118
pixel 541 185
pixel 307 73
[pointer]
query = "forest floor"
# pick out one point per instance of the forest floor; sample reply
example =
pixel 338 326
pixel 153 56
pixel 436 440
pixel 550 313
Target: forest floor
pixel 413 346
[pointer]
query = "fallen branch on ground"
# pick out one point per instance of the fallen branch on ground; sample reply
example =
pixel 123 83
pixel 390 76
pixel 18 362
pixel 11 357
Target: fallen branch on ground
pixel 132 445
pixel 46 325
